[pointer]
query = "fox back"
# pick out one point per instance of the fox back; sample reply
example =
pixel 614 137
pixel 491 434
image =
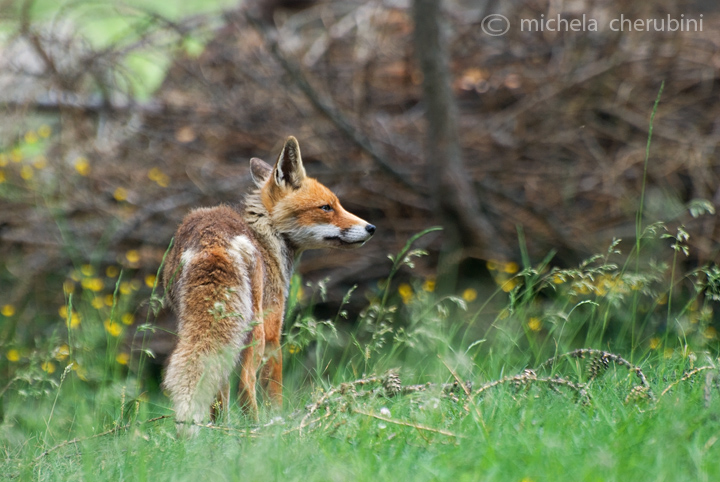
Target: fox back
pixel 227 278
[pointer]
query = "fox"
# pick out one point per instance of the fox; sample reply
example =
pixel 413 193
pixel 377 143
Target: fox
pixel 227 277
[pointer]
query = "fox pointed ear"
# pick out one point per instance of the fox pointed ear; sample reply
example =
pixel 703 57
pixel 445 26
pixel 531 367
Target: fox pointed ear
pixel 260 171
pixel 289 170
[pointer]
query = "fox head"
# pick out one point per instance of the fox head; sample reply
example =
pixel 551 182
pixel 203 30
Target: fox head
pixel 307 213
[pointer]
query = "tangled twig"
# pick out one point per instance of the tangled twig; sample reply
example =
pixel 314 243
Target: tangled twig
pixel 529 377
pixel 687 376
pixel 601 360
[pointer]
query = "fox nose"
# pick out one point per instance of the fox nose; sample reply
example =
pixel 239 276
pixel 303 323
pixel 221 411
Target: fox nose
pixel 370 229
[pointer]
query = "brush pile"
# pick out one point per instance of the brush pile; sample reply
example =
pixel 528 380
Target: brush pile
pixel 553 128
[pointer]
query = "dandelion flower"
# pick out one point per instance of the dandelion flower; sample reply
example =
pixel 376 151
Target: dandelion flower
pixel 82 166
pixel 112 271
pixel 133 256
pixel 16 155
pixel 469 295
pixel 7 310
pixel 93 284
pixel 68 287
pixel 40 162
pixel 26 172
pixel 127 318
pixel 150 280
pixel 48 367
pixel 97 303
pixel 429 285
pixel 74 320
pixel 492 265
pixel 13 355
pixel 87 270
pixel 534 323
pixel 112 328
pixel 120 194
pixel 125 288
pixel 293 348
pixel 31 137
pixel 406 292
pixel 122 358
pixel 109 300
pixel 62 352
pixel 511 267
pixel 654 343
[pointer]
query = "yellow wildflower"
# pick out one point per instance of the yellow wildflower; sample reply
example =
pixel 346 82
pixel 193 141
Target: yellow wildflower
pixel 62 352
pixel 150 280
pixel 127 319
pixel 511 267
pixel 300 293
pixel 668 353
pixel 40 162
pixel 654 343
pixel 93 284
pixel 429 285
pixel 122 358
pixel 492 265
pixel 120 194
pixel 68 287
pixel 710 333
pixel 662 299
pixel 558 279
pixel 31 137
pixel 3 159
pixel 135 285
pixel 80 371
pixel 87 270
pixel 109 299
pixel 534 323
pixel 133 256
pixel 44 131
pixel 510 285
pixel 13 355
pixel 406 292
pixel 159 177
pixel 292 349
pixel 97 302
pixel 48 367
pixel 125 288
pixel 16 155
pixel 112 271
pixel 74 320
pixel 469 295
pixel 26 172
pixel 2 177
pixel 113 328
pixel 82 166
pixel 8 310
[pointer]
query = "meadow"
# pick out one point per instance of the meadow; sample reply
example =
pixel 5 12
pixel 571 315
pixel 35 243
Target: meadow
pixel 421 387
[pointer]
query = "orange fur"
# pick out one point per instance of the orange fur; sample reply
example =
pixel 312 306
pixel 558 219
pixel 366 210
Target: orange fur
pixel 227 278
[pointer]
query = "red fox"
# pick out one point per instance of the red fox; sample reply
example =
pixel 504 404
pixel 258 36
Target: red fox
pixel 227 278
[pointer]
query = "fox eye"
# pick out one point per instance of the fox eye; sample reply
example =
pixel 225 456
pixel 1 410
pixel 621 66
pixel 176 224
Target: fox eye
pixel 327 208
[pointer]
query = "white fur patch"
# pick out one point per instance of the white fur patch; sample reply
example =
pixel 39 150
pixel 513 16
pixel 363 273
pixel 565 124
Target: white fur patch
pixel 243 253
pixel 187 257
pixel 356 234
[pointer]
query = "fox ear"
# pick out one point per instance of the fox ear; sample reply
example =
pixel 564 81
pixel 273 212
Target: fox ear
pixel 289 170
pixel 260 171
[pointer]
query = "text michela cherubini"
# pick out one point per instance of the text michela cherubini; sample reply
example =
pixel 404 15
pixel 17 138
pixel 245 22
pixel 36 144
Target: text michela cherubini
pixel 621 24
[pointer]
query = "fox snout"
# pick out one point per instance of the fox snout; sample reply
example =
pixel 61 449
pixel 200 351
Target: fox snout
pixel 354 236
